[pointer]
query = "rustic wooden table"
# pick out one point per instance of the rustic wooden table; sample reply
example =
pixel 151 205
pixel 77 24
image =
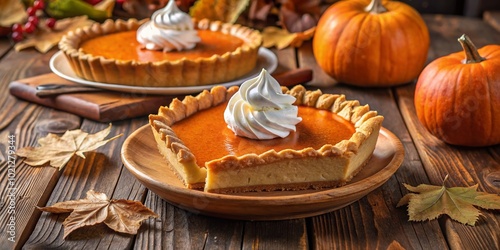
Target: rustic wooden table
pixel 373 222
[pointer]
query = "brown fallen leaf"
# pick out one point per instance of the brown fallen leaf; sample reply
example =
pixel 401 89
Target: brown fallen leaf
pixel 428 202
pixel 124 216
pixel 260 9
pixel 281 38
pixel 221 10
pixel 11 12
pixel 141 9
pixel 298 16
pixel 43 39
pixel 57 151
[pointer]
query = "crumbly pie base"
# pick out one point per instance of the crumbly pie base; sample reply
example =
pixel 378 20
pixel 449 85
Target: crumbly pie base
pixel 183 72
pixel 329 166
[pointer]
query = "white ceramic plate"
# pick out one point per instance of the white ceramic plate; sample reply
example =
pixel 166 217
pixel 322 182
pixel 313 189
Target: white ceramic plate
pixel 60 66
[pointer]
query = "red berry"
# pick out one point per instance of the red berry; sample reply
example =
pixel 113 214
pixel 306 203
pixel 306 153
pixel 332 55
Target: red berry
pixel 93 2
pixel 38 4
pixel 17 36
pixel 31 11
pixel 33 19
pixel 29 27
pixel 17 27
pixel 50 22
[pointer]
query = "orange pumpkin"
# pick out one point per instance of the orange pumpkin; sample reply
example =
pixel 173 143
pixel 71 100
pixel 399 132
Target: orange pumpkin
pixel 457 97
pixel 371 44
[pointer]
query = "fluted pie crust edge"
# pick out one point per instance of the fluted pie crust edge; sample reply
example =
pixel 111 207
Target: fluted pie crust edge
pixel 183 72
pixel 347 156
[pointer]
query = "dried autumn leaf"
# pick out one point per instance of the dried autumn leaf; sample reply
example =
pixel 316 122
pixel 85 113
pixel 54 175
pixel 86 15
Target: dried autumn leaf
pixel 57 151
pixel 106 5
pixel 298 16
pixel 44 38
pixel 280 38
pixel 124 216
pixel 428 202
pixel 141 9
pixel 260 9
pixel 222 10
pixel 11 12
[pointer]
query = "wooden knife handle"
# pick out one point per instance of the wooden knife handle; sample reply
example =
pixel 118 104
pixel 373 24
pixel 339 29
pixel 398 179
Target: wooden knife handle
pixel 64 90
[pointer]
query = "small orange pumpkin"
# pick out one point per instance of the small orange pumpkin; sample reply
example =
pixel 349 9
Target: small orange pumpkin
pixel 371 44
pixel 457 97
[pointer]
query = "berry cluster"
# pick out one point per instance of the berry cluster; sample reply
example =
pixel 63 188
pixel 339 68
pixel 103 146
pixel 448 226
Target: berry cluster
pixel 20 30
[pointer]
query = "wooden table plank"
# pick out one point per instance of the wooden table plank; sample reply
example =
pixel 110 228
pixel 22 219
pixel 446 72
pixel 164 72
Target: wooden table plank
pixel 179 229
pixel 101 171
pixel 28 123
pixel 493 19
pixel 286 234
pixel 5 45
pixel 16 66
pixel 465 166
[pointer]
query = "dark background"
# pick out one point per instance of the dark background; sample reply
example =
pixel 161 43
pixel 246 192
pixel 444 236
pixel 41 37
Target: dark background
pixel 470 8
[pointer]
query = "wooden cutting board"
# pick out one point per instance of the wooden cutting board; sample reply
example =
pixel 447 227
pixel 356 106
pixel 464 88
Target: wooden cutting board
pixel 102 106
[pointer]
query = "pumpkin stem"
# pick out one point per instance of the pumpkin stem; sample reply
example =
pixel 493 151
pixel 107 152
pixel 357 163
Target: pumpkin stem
pixel 375 7
pixel 471 54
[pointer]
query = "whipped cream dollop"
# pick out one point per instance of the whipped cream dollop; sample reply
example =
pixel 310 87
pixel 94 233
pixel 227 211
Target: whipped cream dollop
pixel 259 110
pixel 169 29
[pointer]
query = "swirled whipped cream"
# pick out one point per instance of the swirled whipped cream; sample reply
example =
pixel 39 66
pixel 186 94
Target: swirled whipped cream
pixel 169 29
pixel 259 110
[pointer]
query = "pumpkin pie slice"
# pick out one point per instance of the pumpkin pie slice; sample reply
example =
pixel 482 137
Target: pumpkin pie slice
pixel 110 53
pixel 331 144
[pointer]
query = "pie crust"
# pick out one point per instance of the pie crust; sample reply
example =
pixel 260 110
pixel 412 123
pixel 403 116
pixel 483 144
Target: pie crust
pixel 342 160
pixel 183 72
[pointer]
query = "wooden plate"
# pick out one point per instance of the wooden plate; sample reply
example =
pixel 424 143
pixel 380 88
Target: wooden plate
pixel 141 157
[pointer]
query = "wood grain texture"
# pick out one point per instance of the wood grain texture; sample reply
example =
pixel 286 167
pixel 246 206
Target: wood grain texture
pixel 5 46
pixel 25 121
pixel 464 166
pixel 287 234
pixel 493 19
pixel 305 58
pixel 101 171
pixel 287 59
pixel 179 229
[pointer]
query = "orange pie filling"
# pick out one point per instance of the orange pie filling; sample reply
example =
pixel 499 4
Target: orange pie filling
pixel 334 140
pixel 207 136
pixel 112 46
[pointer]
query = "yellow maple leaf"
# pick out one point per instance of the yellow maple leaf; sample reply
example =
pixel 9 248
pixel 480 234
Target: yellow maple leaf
pixel 281 38
pixel 44 38
pixel 221 10
pixel 106 5
pixel 428 202
pixel 57 151
pixel 124 216
pixel 11 12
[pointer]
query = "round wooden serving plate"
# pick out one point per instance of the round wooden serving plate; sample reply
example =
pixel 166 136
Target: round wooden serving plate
pixel 141 157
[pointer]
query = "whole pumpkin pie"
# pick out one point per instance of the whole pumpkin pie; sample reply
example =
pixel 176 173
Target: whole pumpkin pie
pixel 328 144
pixel 169 50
